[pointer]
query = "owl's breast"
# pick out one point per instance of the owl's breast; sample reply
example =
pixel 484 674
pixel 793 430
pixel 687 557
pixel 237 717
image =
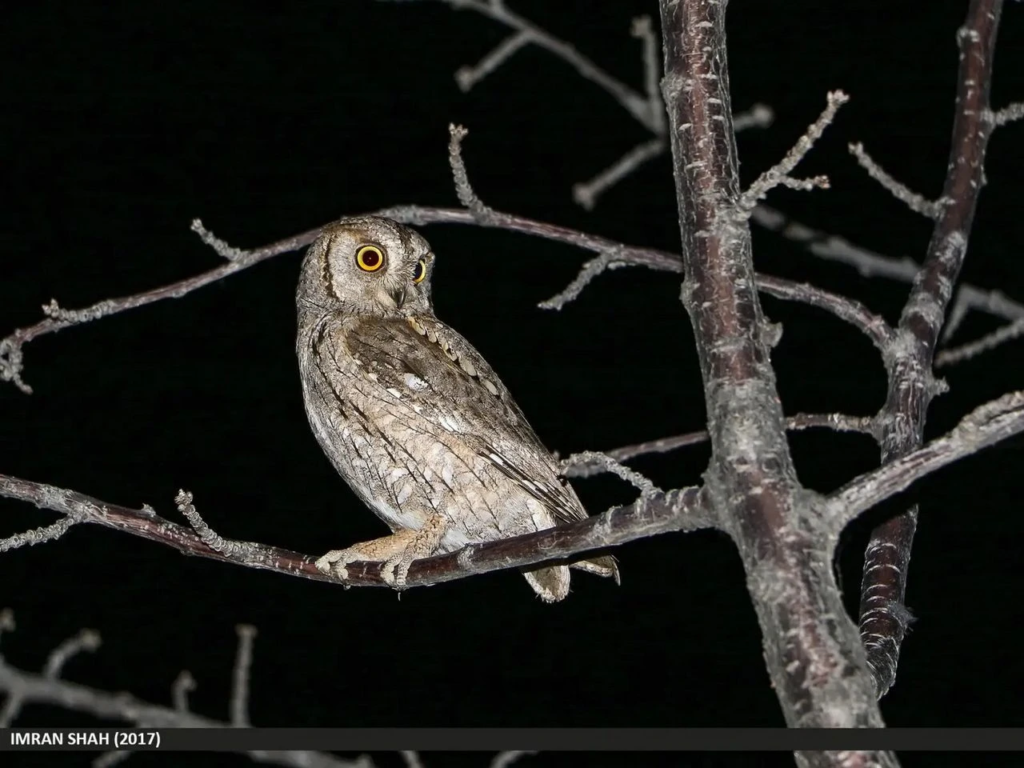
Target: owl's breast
pixel 414 433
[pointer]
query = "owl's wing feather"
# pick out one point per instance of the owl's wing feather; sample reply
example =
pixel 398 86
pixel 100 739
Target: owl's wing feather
pixel 450 385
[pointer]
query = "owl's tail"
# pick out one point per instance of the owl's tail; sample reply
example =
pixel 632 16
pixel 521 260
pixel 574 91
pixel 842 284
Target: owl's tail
pixel 552 583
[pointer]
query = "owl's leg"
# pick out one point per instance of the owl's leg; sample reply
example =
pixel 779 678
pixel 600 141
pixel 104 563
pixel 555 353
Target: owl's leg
pixel 396 552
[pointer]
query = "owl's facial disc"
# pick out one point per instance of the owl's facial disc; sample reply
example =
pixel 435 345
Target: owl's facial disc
pixel 370 265
pixel 390 291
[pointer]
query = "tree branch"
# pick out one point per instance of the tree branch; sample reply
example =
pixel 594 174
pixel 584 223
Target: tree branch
pixel 611 255
pixel 983 427
pixel 11 360
pixel 677 510
pixel 911 383
pixel 49 689
pixel 871 264
pixel 816 665
pixel 915 202
pixel 838 422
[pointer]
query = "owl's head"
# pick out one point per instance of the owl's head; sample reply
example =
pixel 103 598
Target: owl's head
pixel 367 265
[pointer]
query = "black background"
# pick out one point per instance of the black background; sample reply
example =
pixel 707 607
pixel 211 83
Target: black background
pixel 123 123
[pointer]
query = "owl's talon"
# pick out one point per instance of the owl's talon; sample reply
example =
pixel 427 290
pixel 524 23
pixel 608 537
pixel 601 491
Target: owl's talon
pixel 333 564
pixel 395 570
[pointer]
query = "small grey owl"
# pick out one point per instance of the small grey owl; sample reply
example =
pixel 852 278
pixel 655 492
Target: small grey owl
pixel 412 416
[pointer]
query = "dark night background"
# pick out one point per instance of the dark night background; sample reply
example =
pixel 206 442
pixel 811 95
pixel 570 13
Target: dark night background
pixel 121 124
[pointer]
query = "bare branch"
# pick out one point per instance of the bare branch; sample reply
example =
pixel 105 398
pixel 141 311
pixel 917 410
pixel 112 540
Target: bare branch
pixel 633 102
pixel 240 676
pixel 848 310
pixel 184 683
pixel 586 193
pixel 605 463
pixel 643 30
pixel 26 688
pixel 1007 114
pixel 984 426
pixel 838 422
pixel 462 187
pixel 411 759
pixel 234 550
pixel 677 510
pixel 779 173
pixel 507 759
pixel 984 344
pixel 222 248
pixel 992 302
pixel 871 264
pixel 11 359
pixel 112 758
pixel 611 255
pixel 915 202
pixel 816 666
pixel 6 621
pixel 833 248
pixel 912 384
pixel 86 640
pixel 467 77
pixel 758 116
pixel 42 535
pixel 588 272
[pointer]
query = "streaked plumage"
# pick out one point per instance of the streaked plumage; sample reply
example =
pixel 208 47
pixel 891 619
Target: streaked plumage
pixel 411 415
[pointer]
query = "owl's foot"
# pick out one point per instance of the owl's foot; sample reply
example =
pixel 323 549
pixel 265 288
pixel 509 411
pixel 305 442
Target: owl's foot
pixel 396 552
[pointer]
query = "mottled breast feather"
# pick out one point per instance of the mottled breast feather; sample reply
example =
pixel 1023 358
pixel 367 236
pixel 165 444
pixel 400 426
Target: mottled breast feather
pixel 448 384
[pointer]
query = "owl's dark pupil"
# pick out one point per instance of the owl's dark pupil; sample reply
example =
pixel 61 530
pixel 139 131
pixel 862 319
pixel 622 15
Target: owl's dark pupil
pixel 371 258
pixel 418 272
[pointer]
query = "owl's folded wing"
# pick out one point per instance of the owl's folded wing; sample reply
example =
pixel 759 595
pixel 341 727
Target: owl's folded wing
pixel 447 382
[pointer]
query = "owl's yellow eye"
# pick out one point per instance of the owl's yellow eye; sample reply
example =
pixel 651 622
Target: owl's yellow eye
pixel 370 258
pixel 420 271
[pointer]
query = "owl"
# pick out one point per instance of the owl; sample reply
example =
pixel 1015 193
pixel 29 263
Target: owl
pixel 412 416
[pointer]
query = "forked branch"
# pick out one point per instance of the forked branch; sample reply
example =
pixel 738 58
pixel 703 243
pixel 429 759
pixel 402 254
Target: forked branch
pixel 911 382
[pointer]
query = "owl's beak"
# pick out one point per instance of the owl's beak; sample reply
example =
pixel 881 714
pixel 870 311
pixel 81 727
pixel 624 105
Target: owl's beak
pixel 398 296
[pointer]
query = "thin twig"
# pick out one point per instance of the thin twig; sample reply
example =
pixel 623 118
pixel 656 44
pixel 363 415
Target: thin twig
pixel 780 172
pixel 630 100
pixel 239 701
pixel 991 302
pixel 462 186
pixel 1008 114
pixel 507 759
pixel 915 202
pixel 644 31
pixel 86 640
pixel 41 535
pixel 758 116
pixel 586 193
pixel 871 264
pixel 985 344
pixel 184 683
pixel 209 537
pixel 607 463
pixel 587 273
pixel 24 688
pixel 467 77
pixel 839 422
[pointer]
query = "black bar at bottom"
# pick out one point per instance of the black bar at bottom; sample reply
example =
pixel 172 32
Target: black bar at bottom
pixel 499 739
